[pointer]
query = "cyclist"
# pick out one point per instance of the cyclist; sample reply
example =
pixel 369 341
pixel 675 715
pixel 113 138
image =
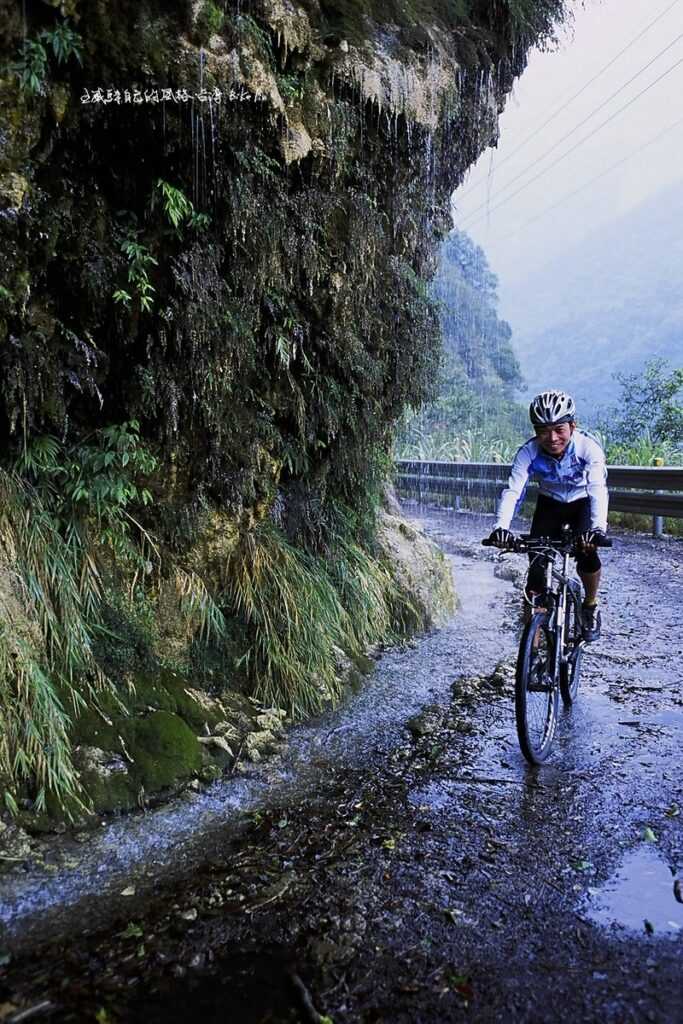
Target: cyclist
pixel 570 468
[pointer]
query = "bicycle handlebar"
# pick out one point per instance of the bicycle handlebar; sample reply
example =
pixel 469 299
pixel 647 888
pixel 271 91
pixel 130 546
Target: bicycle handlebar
pixel 526 543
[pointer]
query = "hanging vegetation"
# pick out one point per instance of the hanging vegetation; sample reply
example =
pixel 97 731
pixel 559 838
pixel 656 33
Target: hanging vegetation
pixel 218 226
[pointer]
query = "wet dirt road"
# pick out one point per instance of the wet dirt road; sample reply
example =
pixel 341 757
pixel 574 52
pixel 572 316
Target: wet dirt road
pixel 380 873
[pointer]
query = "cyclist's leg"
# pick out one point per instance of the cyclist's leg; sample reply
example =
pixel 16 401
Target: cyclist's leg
pixel 588 565
pixel 543 524
pixel 591 584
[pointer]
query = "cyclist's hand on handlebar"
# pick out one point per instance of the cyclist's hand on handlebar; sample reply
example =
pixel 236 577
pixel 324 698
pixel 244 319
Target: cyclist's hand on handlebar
pixel 591 539
pixel 501 538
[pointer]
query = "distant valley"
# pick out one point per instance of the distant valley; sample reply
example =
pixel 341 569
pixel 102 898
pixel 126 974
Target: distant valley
pixel 608 305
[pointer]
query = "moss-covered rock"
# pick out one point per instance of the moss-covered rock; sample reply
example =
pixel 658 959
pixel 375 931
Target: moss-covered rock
pixel 421 569
pixel 126 759
pixel 208 21
pixel 160 753
pixel 164 750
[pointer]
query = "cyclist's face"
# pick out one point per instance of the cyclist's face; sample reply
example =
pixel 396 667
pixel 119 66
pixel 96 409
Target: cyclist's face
pixel 555 437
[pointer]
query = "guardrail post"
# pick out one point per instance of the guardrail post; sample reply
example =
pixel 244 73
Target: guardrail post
pixel 658 521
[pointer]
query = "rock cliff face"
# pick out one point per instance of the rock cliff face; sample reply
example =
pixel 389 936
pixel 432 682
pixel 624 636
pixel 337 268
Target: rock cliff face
pixel 268 335
pixel 217 226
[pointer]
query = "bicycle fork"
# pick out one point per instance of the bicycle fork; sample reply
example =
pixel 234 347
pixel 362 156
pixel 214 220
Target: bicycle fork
pixel 559 612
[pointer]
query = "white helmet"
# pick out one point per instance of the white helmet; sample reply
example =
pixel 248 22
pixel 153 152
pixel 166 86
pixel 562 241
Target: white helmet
pixel 552 407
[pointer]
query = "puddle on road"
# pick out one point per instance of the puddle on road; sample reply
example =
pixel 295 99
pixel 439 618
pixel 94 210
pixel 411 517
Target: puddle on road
pixel 641 890
pixel 669 718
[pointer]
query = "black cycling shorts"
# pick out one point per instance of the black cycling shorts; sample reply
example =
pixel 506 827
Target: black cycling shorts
pixel 549 518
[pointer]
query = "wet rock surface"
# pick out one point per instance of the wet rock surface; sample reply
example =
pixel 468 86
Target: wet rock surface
pixel 377 872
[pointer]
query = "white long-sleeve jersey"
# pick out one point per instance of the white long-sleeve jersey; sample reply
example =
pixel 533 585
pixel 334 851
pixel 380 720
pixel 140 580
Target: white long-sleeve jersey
pixel 579 472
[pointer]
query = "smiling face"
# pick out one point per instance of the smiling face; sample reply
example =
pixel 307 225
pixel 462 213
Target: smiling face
pixel 554 437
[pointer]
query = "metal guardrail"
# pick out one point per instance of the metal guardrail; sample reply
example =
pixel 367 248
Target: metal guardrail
pixel 648 490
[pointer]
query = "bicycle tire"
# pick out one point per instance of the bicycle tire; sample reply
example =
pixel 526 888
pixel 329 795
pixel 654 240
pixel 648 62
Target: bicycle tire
pixel 536 691
pixel 570 670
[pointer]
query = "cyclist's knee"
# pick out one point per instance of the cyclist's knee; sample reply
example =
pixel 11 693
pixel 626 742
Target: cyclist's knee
pixel 588 563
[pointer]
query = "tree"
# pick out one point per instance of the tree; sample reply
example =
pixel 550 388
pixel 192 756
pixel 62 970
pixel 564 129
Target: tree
pixel 651 404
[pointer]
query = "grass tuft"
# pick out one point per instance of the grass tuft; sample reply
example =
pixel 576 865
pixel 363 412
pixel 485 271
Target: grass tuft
pixel 294 618
pixel 50 592
pixel 299 610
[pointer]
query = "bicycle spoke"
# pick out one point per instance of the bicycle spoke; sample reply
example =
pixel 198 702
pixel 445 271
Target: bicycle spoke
pixel 539 688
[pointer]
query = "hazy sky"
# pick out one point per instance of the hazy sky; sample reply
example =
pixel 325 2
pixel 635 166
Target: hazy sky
pixel 600 30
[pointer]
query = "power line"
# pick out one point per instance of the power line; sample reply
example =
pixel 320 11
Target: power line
pixel 571 99
pixel 591 181
pixel 581 141
pixel 576 127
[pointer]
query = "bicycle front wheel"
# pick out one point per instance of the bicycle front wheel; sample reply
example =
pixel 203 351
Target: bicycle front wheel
pixel 536 690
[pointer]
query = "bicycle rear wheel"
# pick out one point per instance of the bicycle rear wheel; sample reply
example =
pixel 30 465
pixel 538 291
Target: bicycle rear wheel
pixel 536 691
pixel 570 668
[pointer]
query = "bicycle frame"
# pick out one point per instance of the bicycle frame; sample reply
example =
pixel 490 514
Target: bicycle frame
pixel 556 599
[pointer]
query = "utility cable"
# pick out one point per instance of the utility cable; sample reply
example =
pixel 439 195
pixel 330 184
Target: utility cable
pixel 579 143
pixel 591 181
pixel 576 127
pixel 571 99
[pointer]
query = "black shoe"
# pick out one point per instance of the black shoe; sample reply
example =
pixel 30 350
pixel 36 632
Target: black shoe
pixel 590 614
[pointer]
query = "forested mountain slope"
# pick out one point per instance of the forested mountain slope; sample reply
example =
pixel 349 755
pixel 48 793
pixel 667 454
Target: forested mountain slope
pixel 479 373
pixel 606 306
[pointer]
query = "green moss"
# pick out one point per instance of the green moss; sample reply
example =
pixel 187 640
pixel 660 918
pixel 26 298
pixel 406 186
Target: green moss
pixel 92 729
pixel 208 22
pixel 159 689
pixel 108 795
pixel 161 751
pixel 164 750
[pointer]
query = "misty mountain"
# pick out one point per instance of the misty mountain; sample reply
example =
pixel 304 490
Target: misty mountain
pixel 609 304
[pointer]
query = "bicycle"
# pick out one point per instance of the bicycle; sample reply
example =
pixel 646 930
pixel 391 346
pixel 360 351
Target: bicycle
pixel 550 649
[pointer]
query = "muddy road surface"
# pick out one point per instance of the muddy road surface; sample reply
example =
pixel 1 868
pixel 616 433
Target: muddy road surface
pixel 400 862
